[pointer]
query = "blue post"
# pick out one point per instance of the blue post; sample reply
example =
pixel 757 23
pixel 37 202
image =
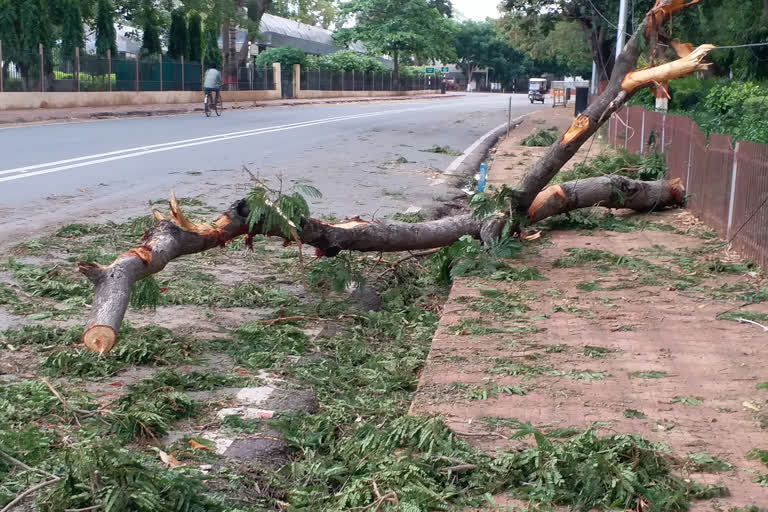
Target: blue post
pixel 481 178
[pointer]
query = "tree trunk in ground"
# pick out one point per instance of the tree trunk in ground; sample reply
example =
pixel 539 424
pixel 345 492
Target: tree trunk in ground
pixel 396 63
pixel 168 240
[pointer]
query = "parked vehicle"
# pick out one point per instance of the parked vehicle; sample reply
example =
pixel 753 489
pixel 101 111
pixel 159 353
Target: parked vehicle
pixel 537 88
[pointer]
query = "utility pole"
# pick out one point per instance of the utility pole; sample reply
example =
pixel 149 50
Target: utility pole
pixel 620 30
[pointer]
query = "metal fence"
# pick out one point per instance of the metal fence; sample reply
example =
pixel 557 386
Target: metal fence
pixel 727 184
pixel 50 71
pixel 364 81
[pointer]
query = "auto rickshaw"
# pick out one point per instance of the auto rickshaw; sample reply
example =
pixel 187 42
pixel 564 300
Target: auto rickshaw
pixel 537 87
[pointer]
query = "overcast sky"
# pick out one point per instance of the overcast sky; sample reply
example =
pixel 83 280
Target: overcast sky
pixel 477 9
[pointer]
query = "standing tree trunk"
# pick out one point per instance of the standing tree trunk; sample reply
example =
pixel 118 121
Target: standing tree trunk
pixel 396 70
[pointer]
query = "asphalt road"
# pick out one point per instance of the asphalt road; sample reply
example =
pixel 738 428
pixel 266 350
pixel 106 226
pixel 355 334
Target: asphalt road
pixel 354 153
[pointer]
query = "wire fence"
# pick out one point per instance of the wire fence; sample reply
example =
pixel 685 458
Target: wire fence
pixel 365 81
pixel 50 71
pixel 727 184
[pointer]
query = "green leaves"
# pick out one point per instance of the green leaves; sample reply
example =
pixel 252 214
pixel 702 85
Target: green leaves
pixel 284 213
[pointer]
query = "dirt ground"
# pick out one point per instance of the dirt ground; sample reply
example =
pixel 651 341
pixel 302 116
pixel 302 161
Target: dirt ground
pixel 624 333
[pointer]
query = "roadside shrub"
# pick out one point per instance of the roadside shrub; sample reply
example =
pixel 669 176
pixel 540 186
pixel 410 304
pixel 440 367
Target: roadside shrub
pixel 728 98
pixel 687 93
pixel 346 60
pixel 286 56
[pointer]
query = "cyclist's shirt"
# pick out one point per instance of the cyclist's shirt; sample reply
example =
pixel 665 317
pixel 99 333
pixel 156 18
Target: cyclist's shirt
pixel 212 79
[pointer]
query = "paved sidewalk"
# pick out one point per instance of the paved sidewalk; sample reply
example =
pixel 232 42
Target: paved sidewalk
pixel 82 113
pixel 623 332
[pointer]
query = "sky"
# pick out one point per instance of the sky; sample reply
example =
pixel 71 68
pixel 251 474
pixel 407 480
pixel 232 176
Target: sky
pixel 477 9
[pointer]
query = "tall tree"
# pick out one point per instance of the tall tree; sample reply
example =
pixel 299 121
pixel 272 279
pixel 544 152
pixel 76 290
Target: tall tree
pixel 72 33
pixel 9 33
pixel 195 40
pixel 211 53
pixel 563 45
pixel 178 42
pixel 597 19
pixel 150 40
pixel 473 40
pixel 106 36
pixel 311 12
pixel 34 29
pixel 399 28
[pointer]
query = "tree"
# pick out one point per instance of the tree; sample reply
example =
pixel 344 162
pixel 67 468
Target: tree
pixel 399 28
pixel 150 39
pixel 211 53
pixel 444 7
pixel 730 23
pixel 597 19
pixel 243 14
pixel 473 40
pixel 106 36
pixel 564 45
pixel 495 216
pixel 178 45
pixel 311 12
pixel 34 29
pixel 9 34
pixel 72 34
pixel 195 39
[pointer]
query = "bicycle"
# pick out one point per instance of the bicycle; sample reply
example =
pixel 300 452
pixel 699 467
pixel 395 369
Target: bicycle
pixel 218 105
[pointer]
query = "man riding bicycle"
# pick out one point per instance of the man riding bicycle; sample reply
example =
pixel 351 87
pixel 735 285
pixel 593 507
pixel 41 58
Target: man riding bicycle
pixel 212 82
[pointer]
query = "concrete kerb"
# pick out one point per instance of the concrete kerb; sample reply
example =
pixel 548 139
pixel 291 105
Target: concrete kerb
pixel 470 160
pixel 467 163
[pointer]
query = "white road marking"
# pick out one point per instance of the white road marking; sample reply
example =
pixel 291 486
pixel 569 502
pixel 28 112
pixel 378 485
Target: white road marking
pixel 50 167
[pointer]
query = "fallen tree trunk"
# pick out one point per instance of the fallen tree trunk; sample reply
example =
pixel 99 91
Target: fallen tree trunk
pixel 169 239
pixel 609 192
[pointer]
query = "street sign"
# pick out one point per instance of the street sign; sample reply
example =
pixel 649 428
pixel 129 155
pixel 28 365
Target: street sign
pixel 429 70
pixel 444 70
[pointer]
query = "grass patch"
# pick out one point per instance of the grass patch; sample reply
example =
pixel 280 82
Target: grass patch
pixel 442 150
pixel 142 346
pixel 652 374
pixel 633 413
pixel 649 167
pixel 474 327
pixel 649 273
pixel 410 218
pixel 598 220
pixel 705 463
pixel 512 368
pixel 595 352
pixel 492 391
pixel 686 400
pixel 541 137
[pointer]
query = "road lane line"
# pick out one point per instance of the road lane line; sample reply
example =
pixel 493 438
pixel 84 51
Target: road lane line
pixel 192 142
pixel 208 137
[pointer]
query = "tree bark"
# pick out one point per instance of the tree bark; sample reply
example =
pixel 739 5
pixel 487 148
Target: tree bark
pixel 609 192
